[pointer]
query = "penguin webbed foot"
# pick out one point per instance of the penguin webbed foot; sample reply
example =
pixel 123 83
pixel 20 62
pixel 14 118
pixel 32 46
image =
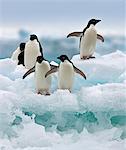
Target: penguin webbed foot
pixel 91 57
pixel 39 93
pixel 86 57
pixel 46 93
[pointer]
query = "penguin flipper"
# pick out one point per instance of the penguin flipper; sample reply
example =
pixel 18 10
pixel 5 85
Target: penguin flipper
pixel 29 72
pixel 52 66
pixel 79 72
pixel 53 70
pixel 99 37
pixel 77 34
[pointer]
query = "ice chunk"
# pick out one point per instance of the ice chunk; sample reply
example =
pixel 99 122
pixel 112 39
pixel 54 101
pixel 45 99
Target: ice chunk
pixel 6 113
pixel 105 97
pixel 104 69
pixel 94 111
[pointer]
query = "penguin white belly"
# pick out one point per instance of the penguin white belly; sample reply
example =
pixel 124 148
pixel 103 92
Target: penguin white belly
pixel 15 55
pixel 66 76
pixel 31 52
pixel 88 42
pixel 41 82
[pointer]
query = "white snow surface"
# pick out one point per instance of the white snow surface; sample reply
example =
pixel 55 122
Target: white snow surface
pixel 92 117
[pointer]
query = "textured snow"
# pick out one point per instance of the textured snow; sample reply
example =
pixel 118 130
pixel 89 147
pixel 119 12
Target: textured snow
pixel 94 111
pixel 105 69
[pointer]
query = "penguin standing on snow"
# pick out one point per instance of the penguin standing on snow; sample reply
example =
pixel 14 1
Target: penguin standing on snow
pixel 88 39
pixel 18 54
pixel 41 68
pixel 21 55
pixel 33 49
pixel 66 72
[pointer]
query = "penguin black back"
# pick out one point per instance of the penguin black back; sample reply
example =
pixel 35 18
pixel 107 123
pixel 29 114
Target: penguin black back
pixel 21 58
pixel 22 46
pixel 21 55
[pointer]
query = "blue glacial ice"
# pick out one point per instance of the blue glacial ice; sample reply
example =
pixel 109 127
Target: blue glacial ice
pixel 94 111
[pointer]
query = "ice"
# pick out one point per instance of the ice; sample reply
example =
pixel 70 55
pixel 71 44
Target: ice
pixel 5 82
pixel 108 68
pixel 94 111
pixel 6 113
pixel 107 97
pixel 53 141
pixel 7 66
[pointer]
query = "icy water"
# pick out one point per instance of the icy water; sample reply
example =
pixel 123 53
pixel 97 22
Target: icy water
pixel 92 117
pixel 54 47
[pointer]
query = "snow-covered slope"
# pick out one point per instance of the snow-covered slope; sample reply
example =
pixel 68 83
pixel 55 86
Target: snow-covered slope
pixel 94 111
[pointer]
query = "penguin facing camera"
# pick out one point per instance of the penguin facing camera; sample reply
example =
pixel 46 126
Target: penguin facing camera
pixel 66 73
pixel 33 49
pixel 41 67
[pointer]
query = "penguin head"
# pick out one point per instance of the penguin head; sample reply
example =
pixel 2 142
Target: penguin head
pixel 40 59
pixel 22 46
pixel 33 37
pixel 63 58
pixel 93 21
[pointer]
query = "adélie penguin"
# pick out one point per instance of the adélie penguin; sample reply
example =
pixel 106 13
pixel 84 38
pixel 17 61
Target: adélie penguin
pixel 18 54
pixel 88 38
pixel 21 55
pixel 41 67
pixel 33 49
pixel 66 72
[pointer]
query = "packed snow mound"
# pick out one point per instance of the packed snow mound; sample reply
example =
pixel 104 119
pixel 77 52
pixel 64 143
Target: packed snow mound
pixel 95 110
pixel 105 69
pixel 100 96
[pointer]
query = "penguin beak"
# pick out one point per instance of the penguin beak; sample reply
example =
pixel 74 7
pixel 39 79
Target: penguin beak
pixel 58 57
pixel 98 21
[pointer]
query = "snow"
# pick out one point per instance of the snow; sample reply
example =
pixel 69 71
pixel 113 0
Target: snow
pixel 108 68
pixel 104 97
pixel 94 111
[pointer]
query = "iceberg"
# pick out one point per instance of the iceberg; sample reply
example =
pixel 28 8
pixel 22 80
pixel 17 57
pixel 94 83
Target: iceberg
pixel 94 111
